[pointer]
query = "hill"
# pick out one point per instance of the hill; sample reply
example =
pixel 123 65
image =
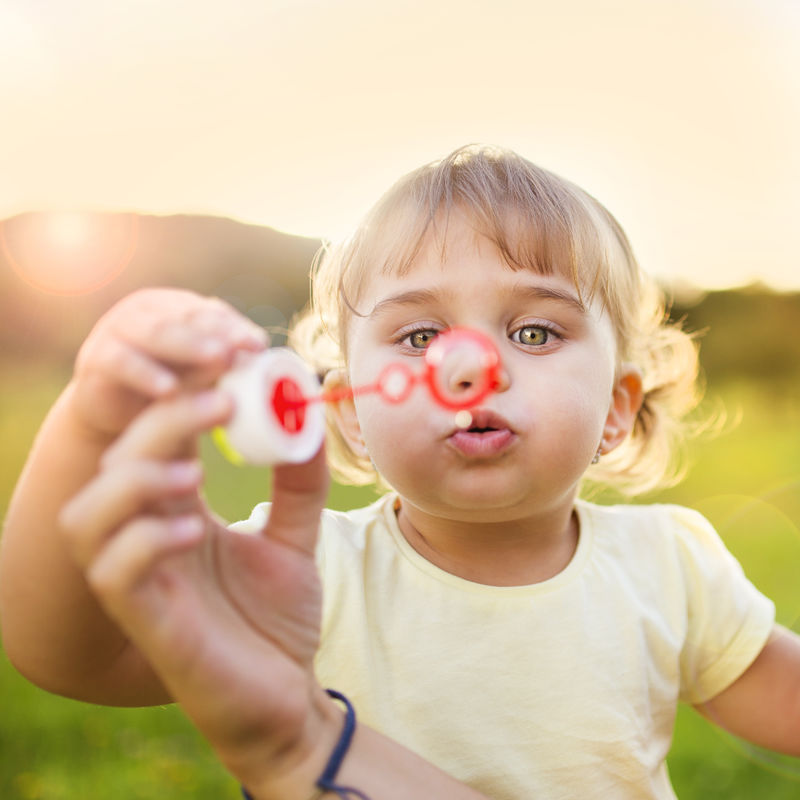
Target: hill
pixel 750 332
pixel 260 270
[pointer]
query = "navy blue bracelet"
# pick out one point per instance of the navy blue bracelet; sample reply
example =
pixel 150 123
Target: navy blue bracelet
pixel 326 781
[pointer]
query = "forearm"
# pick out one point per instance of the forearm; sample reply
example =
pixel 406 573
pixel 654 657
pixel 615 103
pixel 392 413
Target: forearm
pixel 53 629
pixel 378 767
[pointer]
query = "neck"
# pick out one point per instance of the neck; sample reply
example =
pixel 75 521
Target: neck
pixel 513 552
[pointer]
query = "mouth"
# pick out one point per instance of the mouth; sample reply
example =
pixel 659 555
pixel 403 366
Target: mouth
pixel 488 435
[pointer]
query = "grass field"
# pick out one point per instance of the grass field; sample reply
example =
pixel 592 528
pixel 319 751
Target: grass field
pixel 747 480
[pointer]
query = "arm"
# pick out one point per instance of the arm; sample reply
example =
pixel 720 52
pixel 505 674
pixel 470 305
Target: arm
pixel 374 765
pixel 230 622
pixel 763 704
pixel 54 631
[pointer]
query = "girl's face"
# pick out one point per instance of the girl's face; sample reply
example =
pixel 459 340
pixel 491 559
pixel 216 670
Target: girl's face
pixel 559 395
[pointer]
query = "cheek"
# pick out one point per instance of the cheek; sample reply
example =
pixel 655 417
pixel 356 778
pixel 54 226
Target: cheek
pixel 394 431
pixel 581 422
pixel 573 405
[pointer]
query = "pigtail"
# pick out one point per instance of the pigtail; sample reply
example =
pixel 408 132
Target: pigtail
pixel 654 455
pixel 317 335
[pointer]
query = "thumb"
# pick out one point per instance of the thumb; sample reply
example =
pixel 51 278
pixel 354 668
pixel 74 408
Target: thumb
pixel 299 492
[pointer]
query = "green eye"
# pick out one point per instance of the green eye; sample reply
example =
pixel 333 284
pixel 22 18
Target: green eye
pixel 421 339
pixel 533 335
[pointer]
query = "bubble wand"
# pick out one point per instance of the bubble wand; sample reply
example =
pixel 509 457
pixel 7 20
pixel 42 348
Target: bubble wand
pixel 279 406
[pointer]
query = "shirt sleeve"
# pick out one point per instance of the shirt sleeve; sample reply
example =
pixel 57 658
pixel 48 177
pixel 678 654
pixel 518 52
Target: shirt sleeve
pixel 257 521
pixel 728 619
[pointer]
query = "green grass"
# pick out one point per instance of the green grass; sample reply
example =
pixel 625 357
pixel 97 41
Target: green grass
pixel 747 480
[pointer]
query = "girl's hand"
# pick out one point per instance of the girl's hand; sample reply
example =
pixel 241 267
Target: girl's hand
pixel 149 345
pixel 230 622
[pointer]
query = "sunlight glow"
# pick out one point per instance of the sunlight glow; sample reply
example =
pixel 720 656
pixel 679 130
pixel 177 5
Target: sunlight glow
pixel 69 253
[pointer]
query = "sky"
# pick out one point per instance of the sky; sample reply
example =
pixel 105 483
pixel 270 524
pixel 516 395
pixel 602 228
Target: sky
pixel 681 116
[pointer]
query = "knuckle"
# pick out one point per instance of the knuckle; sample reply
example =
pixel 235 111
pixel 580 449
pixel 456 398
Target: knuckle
pixel 124 556
pixel 74 535
pixel 98 353
pixel 69 519
pixel 109 356
pixel 132 478
pixel 111 457
pixel 137 371
pixel 141 480
pixel 103 579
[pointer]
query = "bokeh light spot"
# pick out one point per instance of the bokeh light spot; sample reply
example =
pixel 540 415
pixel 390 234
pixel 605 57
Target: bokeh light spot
pixel 69 253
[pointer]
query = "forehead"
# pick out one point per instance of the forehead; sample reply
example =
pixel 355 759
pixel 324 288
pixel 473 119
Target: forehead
pixel 486 291
pixel 458 245
pixel 469 283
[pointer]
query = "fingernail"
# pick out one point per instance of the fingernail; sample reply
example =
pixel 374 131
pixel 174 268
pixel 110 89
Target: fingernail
pixel 184 473
pixel 210 348
pixel 187 527
pixel 163 382
pixel 212 402
pixel 253 334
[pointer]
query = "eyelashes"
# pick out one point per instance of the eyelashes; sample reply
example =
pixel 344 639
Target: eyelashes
pixel 539 335
pixel 417 339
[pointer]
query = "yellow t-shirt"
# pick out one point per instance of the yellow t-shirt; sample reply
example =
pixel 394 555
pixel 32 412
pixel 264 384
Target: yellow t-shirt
pixel 561 690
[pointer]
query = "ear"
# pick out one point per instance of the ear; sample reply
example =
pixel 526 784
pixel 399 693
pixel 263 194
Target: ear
pixel 344 412
pixel 626 401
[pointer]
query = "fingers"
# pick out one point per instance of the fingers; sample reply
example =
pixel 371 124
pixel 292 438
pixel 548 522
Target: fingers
pixel 299 492
pixel 137 547
pixel 153 339
pixel 140 475
pixel 184 328
pixel 116 495
pixel 169 428
pixel 113 360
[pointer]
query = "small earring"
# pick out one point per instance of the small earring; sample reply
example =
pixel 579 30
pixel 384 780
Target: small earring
pixel 599 452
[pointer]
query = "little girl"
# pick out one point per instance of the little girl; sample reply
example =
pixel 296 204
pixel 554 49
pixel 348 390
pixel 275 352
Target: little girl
pixel 498 636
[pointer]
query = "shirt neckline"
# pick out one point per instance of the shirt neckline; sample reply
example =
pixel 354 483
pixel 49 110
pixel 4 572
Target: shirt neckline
pixel 420 563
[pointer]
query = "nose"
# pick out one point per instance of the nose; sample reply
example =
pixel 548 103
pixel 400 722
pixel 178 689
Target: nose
pixel 465 367
pixel 461 371
pixel 502 380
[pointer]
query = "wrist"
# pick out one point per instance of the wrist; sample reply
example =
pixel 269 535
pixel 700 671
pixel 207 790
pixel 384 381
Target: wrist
pixel 293 771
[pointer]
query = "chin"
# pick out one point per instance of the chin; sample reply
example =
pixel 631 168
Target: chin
pixel 473 497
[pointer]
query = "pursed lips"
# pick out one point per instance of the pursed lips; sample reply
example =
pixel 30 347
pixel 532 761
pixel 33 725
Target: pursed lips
pixel 489 435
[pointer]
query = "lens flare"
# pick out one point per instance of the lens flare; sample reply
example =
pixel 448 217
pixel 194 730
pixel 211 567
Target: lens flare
pixel 763 532
pixel 69 253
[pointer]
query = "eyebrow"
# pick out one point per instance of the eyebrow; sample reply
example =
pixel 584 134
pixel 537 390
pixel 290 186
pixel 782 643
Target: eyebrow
pixel 546 293
pixel 413 297
pixel 416 297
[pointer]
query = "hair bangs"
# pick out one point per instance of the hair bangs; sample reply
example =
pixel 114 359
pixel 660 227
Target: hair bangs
pixel 537 221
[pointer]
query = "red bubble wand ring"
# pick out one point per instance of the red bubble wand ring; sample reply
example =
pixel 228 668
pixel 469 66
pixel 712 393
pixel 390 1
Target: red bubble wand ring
pixel 279 413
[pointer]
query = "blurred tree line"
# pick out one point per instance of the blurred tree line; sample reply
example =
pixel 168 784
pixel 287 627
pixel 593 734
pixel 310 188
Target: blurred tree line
pixel 751 332
pixel 261 271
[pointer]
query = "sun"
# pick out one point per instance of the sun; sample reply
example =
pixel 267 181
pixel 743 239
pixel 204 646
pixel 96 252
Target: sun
pixel 67 252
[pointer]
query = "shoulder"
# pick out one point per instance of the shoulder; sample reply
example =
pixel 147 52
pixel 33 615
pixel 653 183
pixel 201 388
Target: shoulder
pixel 658 524
pixel 343 521
pixel 672 541
pixel 355 527
pixel 340 531
pixel 662 517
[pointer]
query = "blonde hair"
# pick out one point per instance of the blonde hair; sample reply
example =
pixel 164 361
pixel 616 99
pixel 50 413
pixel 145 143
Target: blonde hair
pixel 540 222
